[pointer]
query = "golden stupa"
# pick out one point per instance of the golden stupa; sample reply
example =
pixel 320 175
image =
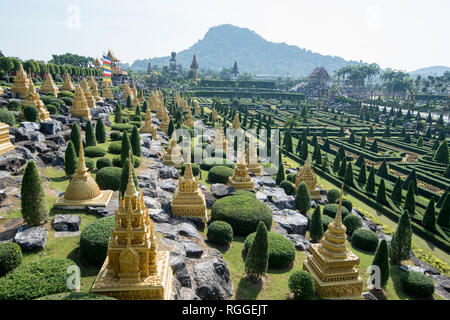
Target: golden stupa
pixel 219 140
pixel 87 93
pixel 153 102
pixel 135 102
pixel 240 180
pixel 164 126
pixel 82 190
pixel 92 82
pixel 333 266
pixel 79 105
pixel 188 200
pixel 306 174
pixel 148 126
pixel 134 89
pixel 127 91
pixel 173 156
pixel 253 163
pixel 236 122
pixel 95 93
pixel 141 96
pixel 33 99
pixel 107 93
pixel 67 84
pixel 21 82
pixel 5 141
pixel 134 268
pixel 49 85
pixel 189 120
pixel 161 112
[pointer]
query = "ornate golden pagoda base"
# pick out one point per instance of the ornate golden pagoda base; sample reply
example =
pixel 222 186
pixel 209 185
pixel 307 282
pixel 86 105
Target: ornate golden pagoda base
pixel 181 209
pixel 257 170
pixel 155 287
pixel 101 201
pixel 6 147
pixel 171 162
pixel 315 194
pixel 241 185
pixel 85 114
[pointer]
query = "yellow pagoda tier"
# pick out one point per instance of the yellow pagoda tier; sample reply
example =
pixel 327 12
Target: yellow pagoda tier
pixel 306 174
pixel 87 94
pixel 107 93
pixel 153 102
pixel 92 82
pixel 333 266
pixel 220 142
pixel 188 200
pixel 253 163
pixel 164 126
pixel 240 180
pixel 67 84
pixel 189 120
pixel 173 156
pixel 21 82
pixel 1 91
pixel 141 96
pixel 127 91
pixel 148 126
pixel 33 99
pixel 134 268
pixel 82 190
pixel 236 122
pixel 5 141
pixel 215 116
pixel 79 105
pixel 95 93
pixel 49 85
pixel 161 112
pixel 134 89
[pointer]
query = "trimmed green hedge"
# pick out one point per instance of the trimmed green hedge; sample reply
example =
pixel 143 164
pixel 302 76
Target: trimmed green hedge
pixel 417 284
pixel 281 249
pixel 220 174
pixel 242 212
pixel 301 284
pixel 115 147
pixel 103 163
pixel 220 232
pixel 94 240
pixel 332 209
pixel 115 136
pixel 122 127
pixel 209 163
pixel 352 222
pixel 36 279
pixel 10 257
pixel 108 178
pixel 333 195
pixel 365 239
pixel 94 152
pixel 287 186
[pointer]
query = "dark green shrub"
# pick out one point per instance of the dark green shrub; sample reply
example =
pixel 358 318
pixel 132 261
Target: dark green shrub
pixel 442 153
pixel 47 99
pixel 220 174
pixel 135 140
pixel 195 169
pixel 352 222
pixel 65 94
pixel 7 117
pixel 103 163
pixel 209 163
pixel 257 258
pixel 301 284
pixel 31 113
pixel 287 186
pixel 89 163
pixel 14 105
pixel 302 198
pixel 108 178
pixel 94 152
pixel 417 284
pixel 115 147
pixel 291 177
pixel 220 232
pixel 124 178
pixel 52 109
pixel 100 131
pixel 400 246
pixel 281 249
pixel 115 136
pixel 332 209
pixel 34 205
pixel 36 279
pixel 90 135
pixel 325 220
pixel 242 213
pixel 381 260
pixel 365 239
pixel 10 257
pixel 443 218
pixel 94 240
pixel 333 195
pixel 315 225
pixel 116 162
pixel 70 159
pixel 122 127
pixel 67 101
pixel 347 204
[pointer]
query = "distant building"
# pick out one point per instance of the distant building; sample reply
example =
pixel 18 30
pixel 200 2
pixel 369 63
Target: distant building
pixel 173 68
pixel 118 76
pixel 235 71
pixel 194 66
pixel 149 68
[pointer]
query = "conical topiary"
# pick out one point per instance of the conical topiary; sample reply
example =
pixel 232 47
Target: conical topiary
pixel 124 177
pixel 100 131
pixel 412 177
pixel 370 187
pixel 135 140
pixel 382 170
pixel 410 200
pixel 70 159
pixel 348 179
pixel 396 195
pixel 118 113
pixel 90 135
pixel 362 178
pixel 381 259
pixel 126 147
pixel 34 205
pixel 400 246
pixel 257 259
pixel 429 218
pixel 444 213
pixel 75 137
pixel 302 198
pixel 316 227
pixel 280 174
pixel 336 163
pixel 442 153
pixel 343 168
pixel 381 192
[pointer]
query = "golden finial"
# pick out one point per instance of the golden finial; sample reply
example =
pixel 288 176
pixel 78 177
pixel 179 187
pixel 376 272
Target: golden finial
pixel 81 165
pixel 131 190
pixel 338 219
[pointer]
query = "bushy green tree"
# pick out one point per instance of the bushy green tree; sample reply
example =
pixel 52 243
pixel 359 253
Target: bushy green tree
pixel 370 187
pixel 381 192
pixel 34 205
pixel 70 159
pixel 118 113
pixel 444 213
pixel 126 147
pixel 316 227
pixel 362 178
pixel 90 135
pixel 441 153
pixel 136 142
pixel 257 259
pixel 348 180
pixel 381 259
pixel 400 246
pixel 429 218
pixel 302 198
pixel 396 195
pixel 75 137
pixel 410 200
pixel 100 131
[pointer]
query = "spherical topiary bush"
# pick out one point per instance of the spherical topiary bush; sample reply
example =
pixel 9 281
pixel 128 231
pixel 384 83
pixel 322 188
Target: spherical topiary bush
pixel 352 222
pixel 52 109
pixel 291 177
pixel 220 232
pixel 89 163
pixel 301 284
pixel 36 279
pixel 281 249
pixel 7 117
pixel 122 127
pixel 108 178
pixel 245 193
pixel 94 240
pixel 332 209
pixel 195 169
pixel 115 147
pixel 103 163
pixel 208 163
pixel 287 186
pixel 365 239
pixel 14 105
pixel 10 257
pixel 325 220
pixel 417 284
pixel 31 113
pixel 243 213
pixel 65 94
pixel 347 204
pixel 115 136
pixel 333 195
pixel 47 99
pixel 94 152
pixel 219 174
pixel 67 101
pixel 116 162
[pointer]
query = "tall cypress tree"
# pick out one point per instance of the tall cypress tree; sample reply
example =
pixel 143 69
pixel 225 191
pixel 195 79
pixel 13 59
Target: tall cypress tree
pixel 257 259
pixel 126 147
pixel 100 131
pixel 382 170
pixel 90 135
pixel 362 177
pixel 280 173
pixel 129 105
pixel 410 200
pixel 381 259
pixel 118 113
pixel 34 206
pixel 305 150
pixel 135 140
pixel 429 218
pixel 446 173
pixel 302 198
pixel 75 137
pixel 316 228
pixel 400 246
pixel 442 153
pixel 70 159
pixel 336 163
pixel 343 168
pixel 396 195
pixel 348 180
pixel 298 149
pixel 370 187
pixel 381 192
pixel 412 177
pixel 374 146
pixel 444 213
pixel 363 142
pixel 317 155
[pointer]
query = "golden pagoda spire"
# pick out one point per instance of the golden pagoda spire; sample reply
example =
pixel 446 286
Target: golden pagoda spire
pixel 131 190
pixel 338 218
pixel 81 165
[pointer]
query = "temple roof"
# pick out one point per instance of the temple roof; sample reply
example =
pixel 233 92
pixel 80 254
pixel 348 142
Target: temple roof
pixel 111 56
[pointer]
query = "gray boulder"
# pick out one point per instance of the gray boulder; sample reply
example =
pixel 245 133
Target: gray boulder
pixel 220 190
pixel 209 199
pixel 287 202
pixel 193 250
pixel 168 185
pixel 299 241
pixel 168 173
pixel 292 221
pixel 33 238
pixel 180 271
pixel 158 216
pixel 50 127
pixel 167 230
pixel 66 222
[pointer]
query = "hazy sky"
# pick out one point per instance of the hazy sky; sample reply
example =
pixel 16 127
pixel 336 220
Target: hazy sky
pixel 399 34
